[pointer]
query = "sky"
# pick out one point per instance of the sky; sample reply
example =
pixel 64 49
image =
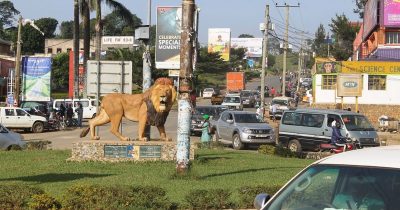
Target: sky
pixel 241 16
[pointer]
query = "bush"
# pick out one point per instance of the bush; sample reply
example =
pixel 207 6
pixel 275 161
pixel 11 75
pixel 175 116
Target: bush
pixel 209 199
pixel 37 145
pixel 248 193
pixel 267 149
pixel 116 197
pixel 285 152
pixel 43 201
pixel 17 196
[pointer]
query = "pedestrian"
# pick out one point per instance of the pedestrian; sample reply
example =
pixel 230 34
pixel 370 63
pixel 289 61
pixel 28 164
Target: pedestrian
pixel 273 110
pixel 205 135
pixel 193 98
pixel 70 114
pixel 296 99
pixel 61 111
pixel 79 111
pixel 273 92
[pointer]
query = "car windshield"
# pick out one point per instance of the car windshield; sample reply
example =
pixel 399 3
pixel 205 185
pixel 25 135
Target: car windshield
pixel 280 102
pixel 357 123
pixel 248 118
pixel 230 99
pixel 246 94
pixel 212 111
pixel 208 90
pixel 341 187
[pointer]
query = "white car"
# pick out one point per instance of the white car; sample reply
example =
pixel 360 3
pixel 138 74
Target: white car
pixel 9 139
pixel 233 102
pixel 360 179
pixel 208 92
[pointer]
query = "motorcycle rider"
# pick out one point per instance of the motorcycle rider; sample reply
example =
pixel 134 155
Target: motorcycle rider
pixel 337 139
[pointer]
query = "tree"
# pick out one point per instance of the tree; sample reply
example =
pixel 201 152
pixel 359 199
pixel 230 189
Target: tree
pixel 271 60
pixel 274 46
pixel 66 30
pixel 115 25
pixel 48 26
pixel 60 73
pixel 344 35
pixel 360 7
pixel 210 62
pixel 246 36
pixel 319 46
pixel 7 13
pixel 237 61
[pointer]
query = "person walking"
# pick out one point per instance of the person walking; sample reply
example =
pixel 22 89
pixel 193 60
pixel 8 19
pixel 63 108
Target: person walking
pixel 273 92
pixel 79 111
pixel 70 114
pixel 205 135
pixel 274 108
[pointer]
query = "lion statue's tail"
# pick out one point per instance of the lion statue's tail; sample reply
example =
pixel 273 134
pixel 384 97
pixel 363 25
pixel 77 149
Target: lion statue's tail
pixel 85 132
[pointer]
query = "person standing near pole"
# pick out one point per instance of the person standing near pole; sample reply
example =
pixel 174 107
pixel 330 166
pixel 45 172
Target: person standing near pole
pixel 205 136
pixel 79 111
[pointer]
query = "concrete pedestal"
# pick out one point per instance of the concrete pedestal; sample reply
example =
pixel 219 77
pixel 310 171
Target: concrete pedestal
pixel 117 151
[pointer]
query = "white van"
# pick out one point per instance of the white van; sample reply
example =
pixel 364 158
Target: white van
pixel 88 104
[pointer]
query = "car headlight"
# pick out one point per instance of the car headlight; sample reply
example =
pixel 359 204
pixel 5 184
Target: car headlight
pixel 247 130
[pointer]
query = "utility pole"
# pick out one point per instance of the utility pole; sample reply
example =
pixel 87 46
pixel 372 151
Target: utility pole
pixel 76 48
pixel 18 63
pixel 300 62
pixel 147 65
pixel 185 87
pixel 285 46
pixel 264 59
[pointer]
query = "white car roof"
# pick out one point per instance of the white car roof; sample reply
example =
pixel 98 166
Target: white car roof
pixel 384 156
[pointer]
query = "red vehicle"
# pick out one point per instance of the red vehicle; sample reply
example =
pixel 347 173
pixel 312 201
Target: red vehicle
pixel 348 146
pixel 235 81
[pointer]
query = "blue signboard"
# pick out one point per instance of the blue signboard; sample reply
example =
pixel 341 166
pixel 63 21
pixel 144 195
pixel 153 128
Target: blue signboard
pixel 36 75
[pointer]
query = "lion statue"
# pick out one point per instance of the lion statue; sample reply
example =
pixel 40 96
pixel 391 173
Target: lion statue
pixel 149 108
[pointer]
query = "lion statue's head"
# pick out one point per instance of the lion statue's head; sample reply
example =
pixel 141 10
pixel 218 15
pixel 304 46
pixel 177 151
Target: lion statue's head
pixel 163 95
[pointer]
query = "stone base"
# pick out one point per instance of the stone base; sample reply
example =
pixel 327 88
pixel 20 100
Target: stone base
pixel 117 151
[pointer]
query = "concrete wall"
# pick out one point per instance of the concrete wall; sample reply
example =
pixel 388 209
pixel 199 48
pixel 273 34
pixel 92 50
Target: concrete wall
pixel 390 96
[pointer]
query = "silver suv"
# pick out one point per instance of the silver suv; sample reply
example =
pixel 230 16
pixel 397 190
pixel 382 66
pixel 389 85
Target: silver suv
pixel 241 128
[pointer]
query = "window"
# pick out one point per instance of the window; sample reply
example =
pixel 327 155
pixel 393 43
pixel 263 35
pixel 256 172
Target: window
pixel 313 120
pixel 291 118
pixel 59 50
pixel 21 112
pixel 9 112
pixel 332 118
pixel 376 82
pixel 50 50
pixel 328 82
pixel 392 38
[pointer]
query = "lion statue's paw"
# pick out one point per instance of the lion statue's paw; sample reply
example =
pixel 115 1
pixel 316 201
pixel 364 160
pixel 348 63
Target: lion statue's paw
pixel 125 139
pixel 96 138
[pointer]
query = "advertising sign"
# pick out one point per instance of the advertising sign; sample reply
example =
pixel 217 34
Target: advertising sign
pixel 391 13
pixel 252 45
pixel 370 17
pixel 349 85
pixel 168 37
pixel 36 75
pixel 327 66
pixel 219 41
pixel 118 40
pixel 370 67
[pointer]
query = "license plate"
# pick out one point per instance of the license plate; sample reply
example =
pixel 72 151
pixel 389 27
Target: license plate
pixel 262 136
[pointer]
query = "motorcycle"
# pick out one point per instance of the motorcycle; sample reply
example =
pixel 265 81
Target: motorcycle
pixel 349 145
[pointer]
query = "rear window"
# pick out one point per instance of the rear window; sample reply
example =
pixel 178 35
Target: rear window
pixel 303 119
pixel 209 90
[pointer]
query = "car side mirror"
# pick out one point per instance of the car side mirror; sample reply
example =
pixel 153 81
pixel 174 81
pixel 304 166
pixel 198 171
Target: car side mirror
pixel 261 200
pixel 229 121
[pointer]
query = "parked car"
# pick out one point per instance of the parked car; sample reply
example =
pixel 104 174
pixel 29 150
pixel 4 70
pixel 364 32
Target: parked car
pixel 283 103
pixel 217 99
pixel 307 83
pixel 208 92
pixel 40 108
pixel 8 139
pixel 307 129
pixel 242 128
pixel 233 101
pixel 197 117
pixel 247 98
pixel 359 179
pixel 88 104
pixel 17 118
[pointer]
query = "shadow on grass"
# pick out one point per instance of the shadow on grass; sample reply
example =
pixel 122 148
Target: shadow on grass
pixel 245 171
pixel 53 177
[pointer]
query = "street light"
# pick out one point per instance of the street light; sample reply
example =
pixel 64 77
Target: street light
pixel 21 22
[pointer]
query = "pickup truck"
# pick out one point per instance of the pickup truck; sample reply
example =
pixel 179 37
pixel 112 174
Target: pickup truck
pixel 14 117
pixel 217 99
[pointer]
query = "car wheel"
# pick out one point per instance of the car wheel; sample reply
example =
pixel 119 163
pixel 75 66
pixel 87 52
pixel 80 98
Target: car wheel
pixel 37 127
pixel 294 146
pixel 237 143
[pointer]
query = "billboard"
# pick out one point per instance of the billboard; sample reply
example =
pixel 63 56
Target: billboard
pixel 81 75
pixel 370 17
pixel 349 85
pixel 36 77
pixel 391 13
pixel 252 45
pixel 219 41
pixel 370 67
pixel 327 66
pixel 168 37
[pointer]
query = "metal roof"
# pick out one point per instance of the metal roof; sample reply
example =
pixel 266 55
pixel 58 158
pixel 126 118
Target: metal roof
pixel 385 156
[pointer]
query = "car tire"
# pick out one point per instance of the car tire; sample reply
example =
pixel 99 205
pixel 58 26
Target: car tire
pixel 38 127
pixel 294 146
pixel 237 142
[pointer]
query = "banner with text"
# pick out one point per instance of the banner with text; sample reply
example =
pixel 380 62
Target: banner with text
pixel 168 37
pixel 253 46
pixel 36 75
pixel 219 42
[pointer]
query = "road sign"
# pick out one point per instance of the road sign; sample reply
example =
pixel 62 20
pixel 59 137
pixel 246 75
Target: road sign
pixel 173 73
pixel 10 99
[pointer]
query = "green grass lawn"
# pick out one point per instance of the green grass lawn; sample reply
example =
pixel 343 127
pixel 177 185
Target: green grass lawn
pixel 212 169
